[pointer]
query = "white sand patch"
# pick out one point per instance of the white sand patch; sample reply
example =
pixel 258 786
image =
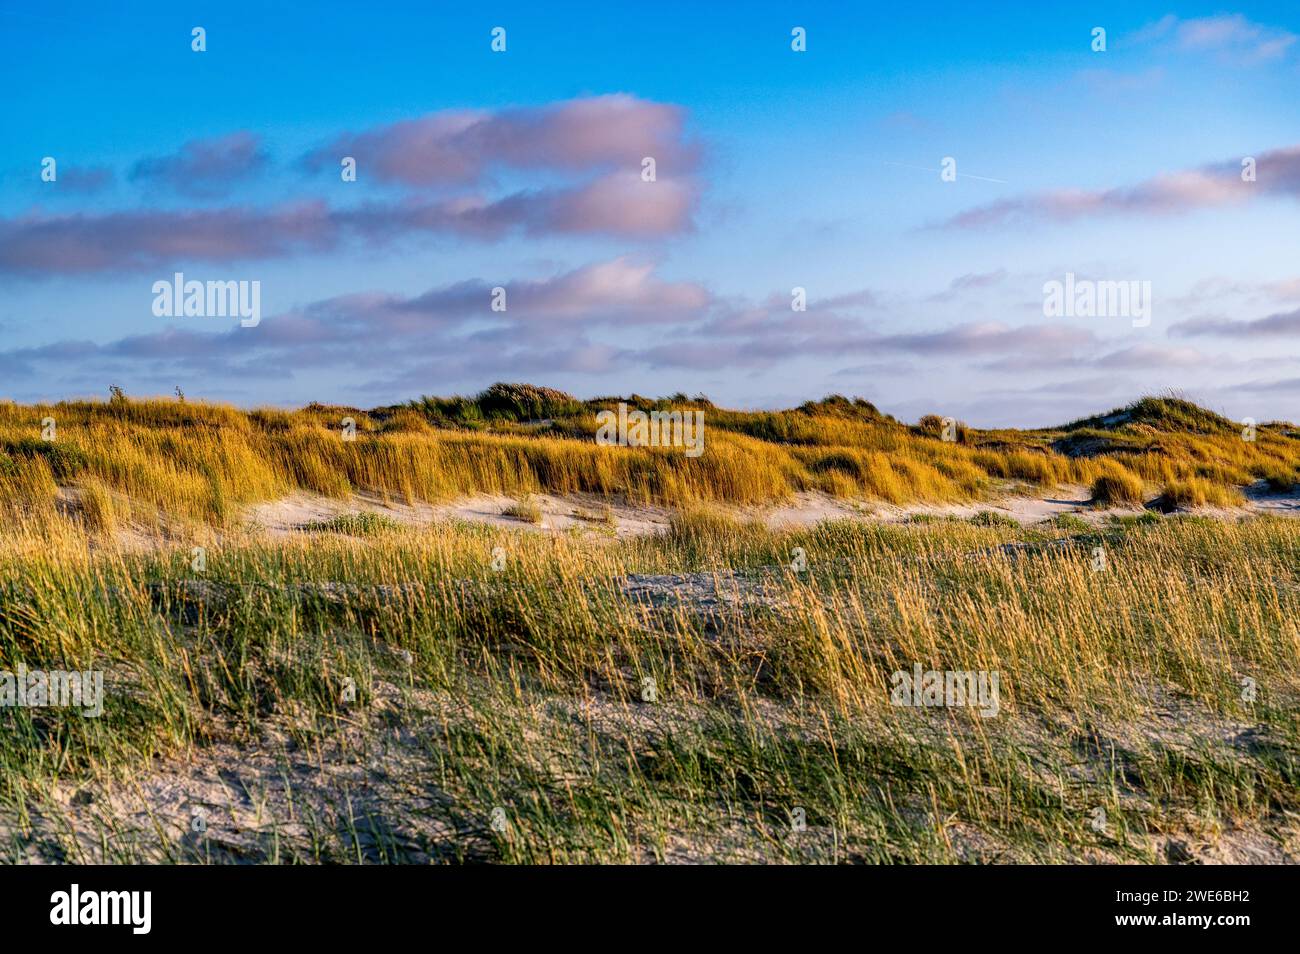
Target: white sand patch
pixel 580 512
pixel 569 512
pixel 1261 500
pixel 596 515
pixel 300 510
pixel 808 509
pixel 1022 509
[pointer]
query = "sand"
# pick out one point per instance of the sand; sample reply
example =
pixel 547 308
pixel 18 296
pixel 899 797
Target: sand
pixel 584 513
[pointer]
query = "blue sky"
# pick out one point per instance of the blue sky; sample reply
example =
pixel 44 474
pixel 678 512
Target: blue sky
pixel 776 169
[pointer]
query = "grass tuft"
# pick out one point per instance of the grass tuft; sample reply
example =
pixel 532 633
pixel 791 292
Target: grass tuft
pixel 526 509
pixel 363 524
pixel 1117 490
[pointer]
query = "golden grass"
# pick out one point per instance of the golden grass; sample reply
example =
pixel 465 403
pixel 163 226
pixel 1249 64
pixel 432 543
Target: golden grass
pixel 1198 492
pixel 204 462
pixel 1117 490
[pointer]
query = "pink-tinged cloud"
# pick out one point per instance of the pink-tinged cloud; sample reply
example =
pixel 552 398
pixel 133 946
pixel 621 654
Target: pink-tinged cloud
pixel 608 314
pixel 545 327
pixel 205 167
pixel 622 290
pixel 619 206
pixel 124 241
pixel 619 292
pixel 1134 357
pixel 1228 35
pixel 1277 173
pixel 970 282
pixel 986 337
pixel 1151 356
pixel 623 204
pixel 463 146
pixel 1281 325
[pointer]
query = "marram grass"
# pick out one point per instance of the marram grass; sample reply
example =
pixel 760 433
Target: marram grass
pixel 368 691
pixel 524 689
pixel 194 461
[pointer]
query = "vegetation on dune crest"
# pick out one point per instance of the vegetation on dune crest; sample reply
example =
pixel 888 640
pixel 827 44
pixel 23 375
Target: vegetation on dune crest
pixel 185 459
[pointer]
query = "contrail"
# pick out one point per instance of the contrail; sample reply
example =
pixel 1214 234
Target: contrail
pixel 962 175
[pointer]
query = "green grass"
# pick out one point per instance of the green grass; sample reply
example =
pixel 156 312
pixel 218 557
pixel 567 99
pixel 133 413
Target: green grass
pixel 522 688
pixel 355 524
pixel 1071 523
pixel 991 518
